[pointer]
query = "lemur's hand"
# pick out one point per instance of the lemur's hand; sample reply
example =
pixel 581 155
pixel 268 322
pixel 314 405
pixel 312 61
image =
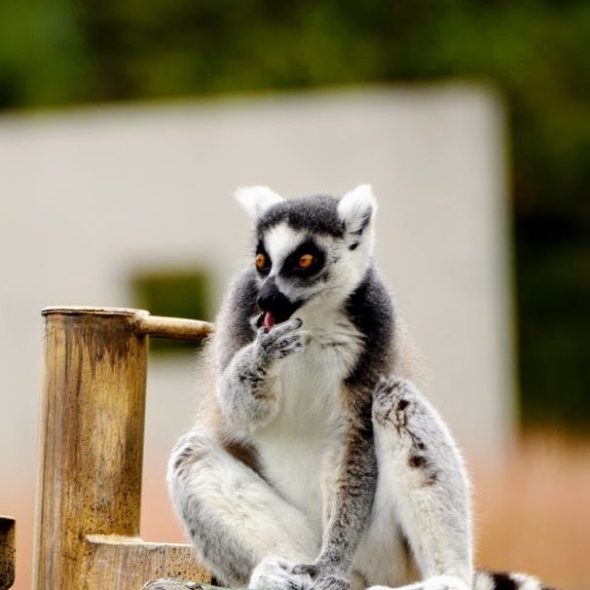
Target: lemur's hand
pixel 282 340
pixel 275 573
pixel 323 578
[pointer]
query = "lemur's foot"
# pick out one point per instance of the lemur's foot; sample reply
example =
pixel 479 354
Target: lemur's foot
pixel 275 573
pixel 322 580
pixel 331 582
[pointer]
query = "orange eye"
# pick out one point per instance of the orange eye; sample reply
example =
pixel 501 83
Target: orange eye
pixel 306 261
pixel 260 261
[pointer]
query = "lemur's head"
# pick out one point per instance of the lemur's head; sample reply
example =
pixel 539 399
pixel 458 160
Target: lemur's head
pixel 310 250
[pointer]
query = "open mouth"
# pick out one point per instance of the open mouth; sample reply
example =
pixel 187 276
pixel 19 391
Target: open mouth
pixel 268 319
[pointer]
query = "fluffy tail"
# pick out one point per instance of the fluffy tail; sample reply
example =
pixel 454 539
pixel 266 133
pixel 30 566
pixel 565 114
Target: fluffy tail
pixel 506 581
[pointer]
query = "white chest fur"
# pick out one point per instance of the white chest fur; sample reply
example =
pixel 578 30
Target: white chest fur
pixel 293 446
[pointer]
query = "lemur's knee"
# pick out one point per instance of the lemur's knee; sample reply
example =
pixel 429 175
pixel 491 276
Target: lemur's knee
pixel 401 420
pixel 394 402
pixel 191 449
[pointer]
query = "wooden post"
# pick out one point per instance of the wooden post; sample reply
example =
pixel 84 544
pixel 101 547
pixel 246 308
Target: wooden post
pixel 7 552
pixel 92 426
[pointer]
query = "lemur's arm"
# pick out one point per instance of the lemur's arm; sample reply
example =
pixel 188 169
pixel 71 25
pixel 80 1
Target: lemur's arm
pixel 245 357
pixel 350 507
pixel 246 393
pixel 370 310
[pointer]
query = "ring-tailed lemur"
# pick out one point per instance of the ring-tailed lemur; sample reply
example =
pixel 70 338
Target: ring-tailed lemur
pixel 315 462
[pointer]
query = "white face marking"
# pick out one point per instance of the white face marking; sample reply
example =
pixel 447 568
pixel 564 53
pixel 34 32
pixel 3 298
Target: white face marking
pixel 280 241
pixel 346 267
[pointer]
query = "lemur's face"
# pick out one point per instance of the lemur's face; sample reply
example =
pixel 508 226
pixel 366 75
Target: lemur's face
pixel 308 251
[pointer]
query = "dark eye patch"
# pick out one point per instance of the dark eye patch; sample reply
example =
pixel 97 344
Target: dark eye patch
pixel 291 265
pixel 260 249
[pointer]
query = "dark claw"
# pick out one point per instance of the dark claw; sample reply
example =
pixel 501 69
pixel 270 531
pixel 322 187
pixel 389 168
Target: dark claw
pixel 305 568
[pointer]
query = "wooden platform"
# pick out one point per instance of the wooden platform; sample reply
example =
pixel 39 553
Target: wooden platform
pixel 7 552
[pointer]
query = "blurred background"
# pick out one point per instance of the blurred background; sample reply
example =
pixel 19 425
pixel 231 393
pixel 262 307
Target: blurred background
pixel 125 126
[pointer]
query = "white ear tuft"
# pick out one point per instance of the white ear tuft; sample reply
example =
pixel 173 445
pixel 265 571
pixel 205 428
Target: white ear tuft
pixel 255 200
pixel 357 208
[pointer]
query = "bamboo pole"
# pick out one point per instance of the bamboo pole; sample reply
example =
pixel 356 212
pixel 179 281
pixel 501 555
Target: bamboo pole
pixel 175 328
pixel 92 423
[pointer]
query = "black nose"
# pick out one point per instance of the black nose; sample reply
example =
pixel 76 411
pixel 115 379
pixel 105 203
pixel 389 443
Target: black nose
pixel 269 295
pixel 272 300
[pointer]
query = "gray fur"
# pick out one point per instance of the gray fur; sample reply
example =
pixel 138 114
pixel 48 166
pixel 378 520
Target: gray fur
pixel 317 215
pixel 426 456
pixel 371 311
pixel 370 308
pixel 237 310
pixel 246 395
pixel 393 503
pixel 349 512
pixel 207 531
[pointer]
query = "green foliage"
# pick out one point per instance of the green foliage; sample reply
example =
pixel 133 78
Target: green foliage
pixel 173 293
pixel 537 52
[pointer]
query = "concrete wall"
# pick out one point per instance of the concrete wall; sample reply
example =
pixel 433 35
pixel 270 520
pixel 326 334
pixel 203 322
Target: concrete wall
pixel 89 197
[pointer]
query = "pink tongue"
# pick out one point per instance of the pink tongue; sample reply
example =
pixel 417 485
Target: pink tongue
pixel 269 320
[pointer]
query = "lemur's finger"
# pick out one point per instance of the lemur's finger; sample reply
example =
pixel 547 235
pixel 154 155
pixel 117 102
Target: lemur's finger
pixel 293 342
pixel 268 337
pixel 286 341
pixel 288 326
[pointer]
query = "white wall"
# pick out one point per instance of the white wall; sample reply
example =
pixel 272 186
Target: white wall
pixel 88 197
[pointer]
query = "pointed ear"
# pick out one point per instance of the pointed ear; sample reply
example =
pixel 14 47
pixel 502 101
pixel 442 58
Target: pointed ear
pixel 255 200
pixel 357 210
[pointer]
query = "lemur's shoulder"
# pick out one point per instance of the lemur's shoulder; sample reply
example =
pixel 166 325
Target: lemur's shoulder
pixel 389 347
pixel 234 330
pixel 370 308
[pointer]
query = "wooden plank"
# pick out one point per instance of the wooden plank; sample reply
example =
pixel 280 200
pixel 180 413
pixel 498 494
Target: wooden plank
pixel 173 584
pixel 126 563
pixel 7 552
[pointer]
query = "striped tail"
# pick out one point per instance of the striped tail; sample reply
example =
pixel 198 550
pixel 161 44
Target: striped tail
pixel 506 581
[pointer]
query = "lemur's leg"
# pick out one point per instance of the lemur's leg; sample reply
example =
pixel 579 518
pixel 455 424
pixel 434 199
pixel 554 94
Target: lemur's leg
pixel 430 490
pixel 235 520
